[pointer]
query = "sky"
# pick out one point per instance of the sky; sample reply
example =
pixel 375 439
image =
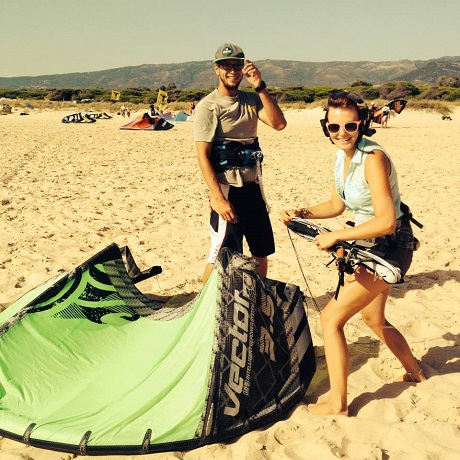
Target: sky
pixel 47 37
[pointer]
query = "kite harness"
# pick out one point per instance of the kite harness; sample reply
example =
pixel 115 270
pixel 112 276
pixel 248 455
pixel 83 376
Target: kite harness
pixel 233 154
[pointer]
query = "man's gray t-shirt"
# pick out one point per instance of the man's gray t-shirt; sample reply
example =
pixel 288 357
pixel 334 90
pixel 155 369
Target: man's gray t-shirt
pixel 223 118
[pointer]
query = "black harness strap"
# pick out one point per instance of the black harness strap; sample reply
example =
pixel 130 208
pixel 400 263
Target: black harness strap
pixel 234 154
pixel 408 215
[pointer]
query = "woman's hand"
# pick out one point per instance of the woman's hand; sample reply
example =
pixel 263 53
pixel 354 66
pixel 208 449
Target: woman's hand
pixel 287 215
pixel 325 240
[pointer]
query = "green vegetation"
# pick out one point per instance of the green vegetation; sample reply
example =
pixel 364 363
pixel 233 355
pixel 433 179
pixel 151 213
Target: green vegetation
pixel 427 97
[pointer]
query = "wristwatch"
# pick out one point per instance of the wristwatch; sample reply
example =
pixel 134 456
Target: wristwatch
pixel 262 86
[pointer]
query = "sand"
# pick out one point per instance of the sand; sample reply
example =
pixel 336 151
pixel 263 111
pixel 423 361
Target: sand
pixel 69 190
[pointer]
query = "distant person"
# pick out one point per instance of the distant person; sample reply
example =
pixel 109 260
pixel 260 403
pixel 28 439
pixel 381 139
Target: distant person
pixel 123 111
pixel 152 110
pixel 191 108
pixel 7 108
pixel 229 155
pixel 128 111
pixel 366 184
pixel 372 110
pixel 385 116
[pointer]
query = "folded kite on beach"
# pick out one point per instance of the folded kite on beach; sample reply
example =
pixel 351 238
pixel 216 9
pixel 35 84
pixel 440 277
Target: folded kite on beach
pixel 78 118
pixel 146 122
pixel 86 118
pixel 91 365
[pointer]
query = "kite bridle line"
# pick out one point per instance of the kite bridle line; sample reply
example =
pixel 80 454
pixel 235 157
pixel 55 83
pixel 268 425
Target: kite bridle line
pixel 303 274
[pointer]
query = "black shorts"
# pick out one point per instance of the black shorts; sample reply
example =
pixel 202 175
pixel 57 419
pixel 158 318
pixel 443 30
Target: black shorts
pixel 253 223
pixel 400 247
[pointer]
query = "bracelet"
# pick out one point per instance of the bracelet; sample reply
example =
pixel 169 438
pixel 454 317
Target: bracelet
pixel 262 86
pixel 303 213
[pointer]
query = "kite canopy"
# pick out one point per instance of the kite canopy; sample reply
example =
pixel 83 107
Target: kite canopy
pixel 397 105
pixel 90 365
pixel 146 122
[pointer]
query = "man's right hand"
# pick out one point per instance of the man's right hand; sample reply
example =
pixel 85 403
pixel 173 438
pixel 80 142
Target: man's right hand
pixel 224 209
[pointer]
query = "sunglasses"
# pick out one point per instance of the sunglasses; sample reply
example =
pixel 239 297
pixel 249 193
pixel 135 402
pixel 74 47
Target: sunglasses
pixel 350 127
pixel 228 67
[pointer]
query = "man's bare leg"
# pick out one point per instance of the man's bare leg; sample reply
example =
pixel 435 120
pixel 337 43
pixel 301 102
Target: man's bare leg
pixel 207 272
pixel 262 267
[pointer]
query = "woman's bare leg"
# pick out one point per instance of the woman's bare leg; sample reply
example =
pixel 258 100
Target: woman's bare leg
pixel 360 289
pixel 374 316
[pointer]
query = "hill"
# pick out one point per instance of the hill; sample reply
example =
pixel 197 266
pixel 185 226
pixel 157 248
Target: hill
pixel 279 73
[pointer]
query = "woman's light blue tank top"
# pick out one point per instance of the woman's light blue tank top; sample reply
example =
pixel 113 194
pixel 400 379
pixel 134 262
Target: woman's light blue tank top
pixel 354 190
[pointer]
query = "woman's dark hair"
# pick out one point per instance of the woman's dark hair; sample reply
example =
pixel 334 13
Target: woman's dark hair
pixel 341 99
pixel 344 99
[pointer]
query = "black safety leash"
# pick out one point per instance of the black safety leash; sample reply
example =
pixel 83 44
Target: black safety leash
pixel 342 262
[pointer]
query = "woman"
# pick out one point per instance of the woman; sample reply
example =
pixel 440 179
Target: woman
pixel 365 183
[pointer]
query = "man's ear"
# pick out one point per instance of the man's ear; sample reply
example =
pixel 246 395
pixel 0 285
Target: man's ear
pixel 216 69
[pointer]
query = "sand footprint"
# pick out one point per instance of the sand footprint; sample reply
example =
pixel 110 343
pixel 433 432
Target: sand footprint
pixel 381 371
pixel 316 450
pixel 287 433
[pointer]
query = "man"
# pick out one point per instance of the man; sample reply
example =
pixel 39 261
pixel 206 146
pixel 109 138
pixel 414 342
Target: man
pixel 229 156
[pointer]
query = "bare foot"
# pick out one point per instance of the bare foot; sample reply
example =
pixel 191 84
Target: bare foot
pixel 326 409
pixel 412 377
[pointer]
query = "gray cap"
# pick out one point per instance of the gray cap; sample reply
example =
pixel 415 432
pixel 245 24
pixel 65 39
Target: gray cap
pixel 228 51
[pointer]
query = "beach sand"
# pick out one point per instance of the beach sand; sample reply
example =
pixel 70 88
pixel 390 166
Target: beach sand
pixel 69 190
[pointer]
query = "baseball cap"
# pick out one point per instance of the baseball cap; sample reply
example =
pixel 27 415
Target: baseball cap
pixel 228 51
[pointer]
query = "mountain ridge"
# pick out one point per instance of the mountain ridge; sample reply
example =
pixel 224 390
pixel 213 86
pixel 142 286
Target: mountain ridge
pixel 277 73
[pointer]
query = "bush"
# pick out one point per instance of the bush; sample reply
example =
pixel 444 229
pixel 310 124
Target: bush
pixel 322 92
pixel 293 94
pixel 192 95
pixel 297 94
pixel 436 106
pixel 66 94
pixel 452 82
pixel 441 94
pixel 401 89
pixel 24 94
pixel 360 83
pixel 367 92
